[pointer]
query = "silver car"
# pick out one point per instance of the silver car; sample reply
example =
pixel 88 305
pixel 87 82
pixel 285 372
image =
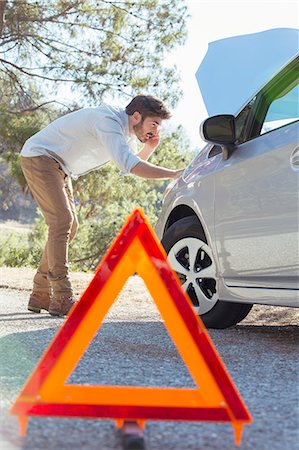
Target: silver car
pixel 230 223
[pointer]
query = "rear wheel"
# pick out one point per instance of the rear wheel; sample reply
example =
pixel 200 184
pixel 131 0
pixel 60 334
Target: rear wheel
pixel 193 261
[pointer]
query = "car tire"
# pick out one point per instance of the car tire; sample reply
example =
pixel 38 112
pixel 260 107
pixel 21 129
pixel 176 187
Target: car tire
pixel 185 245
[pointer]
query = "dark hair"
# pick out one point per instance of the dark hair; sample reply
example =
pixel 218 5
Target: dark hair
pixel 147 105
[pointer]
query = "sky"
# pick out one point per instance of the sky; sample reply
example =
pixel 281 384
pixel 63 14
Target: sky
pixel 210 21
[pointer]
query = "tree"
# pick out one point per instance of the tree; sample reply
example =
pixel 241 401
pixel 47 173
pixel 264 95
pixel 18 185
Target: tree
pixel 2 8
pixel 98 47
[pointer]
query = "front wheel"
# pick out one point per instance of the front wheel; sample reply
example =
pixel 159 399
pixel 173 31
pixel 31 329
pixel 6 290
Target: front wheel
pixel 192 259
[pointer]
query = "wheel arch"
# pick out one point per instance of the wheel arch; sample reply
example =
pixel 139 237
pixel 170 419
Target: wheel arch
pixel 180 212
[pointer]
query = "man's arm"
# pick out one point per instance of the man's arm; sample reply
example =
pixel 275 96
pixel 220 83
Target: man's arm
pixel 148 170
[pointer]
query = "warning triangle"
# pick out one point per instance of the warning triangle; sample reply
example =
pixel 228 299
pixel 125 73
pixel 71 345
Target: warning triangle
pixel 135 250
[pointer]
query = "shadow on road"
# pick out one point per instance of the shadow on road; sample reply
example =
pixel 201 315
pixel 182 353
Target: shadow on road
pixel 22 316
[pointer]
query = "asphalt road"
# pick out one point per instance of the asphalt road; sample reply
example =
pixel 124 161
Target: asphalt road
pixel 133 347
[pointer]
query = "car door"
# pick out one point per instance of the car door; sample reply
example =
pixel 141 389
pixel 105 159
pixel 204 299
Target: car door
pixel 256 193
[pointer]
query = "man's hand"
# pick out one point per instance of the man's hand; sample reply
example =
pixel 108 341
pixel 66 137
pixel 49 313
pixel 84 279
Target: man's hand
pixel 149 146
pixel 153 141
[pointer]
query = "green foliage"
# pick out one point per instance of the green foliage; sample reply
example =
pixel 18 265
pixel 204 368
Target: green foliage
pixel 23 250
pixel 15 129
pixel 14 250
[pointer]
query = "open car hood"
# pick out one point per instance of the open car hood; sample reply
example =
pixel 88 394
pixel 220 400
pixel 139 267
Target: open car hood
pixel 236 68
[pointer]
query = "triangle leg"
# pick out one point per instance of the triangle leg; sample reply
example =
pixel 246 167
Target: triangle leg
pixel 23 422
pixel 238 430
pixel 120 422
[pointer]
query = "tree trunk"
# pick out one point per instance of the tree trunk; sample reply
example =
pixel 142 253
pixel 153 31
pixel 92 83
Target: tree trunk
pixel 2 8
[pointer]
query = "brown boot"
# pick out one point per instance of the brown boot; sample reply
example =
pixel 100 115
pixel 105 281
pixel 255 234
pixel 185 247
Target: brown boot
pixel 61 306
pixel 38 301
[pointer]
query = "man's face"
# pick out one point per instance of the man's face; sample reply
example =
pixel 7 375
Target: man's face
pixel 147 128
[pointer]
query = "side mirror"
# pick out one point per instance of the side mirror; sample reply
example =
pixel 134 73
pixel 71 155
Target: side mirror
pixel 220 130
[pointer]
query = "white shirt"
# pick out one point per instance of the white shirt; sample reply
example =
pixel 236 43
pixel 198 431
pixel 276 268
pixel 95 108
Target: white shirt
pixel 86 139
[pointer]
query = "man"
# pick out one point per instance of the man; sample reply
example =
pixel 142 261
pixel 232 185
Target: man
pixel 71 146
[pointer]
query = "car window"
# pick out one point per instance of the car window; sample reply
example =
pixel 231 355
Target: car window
pixel 282 111
pixel 276 105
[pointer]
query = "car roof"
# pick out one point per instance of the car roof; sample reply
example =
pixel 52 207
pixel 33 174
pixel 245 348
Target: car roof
pixel 236 68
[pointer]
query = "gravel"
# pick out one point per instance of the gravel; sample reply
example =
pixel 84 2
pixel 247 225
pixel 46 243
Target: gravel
pixel 133 347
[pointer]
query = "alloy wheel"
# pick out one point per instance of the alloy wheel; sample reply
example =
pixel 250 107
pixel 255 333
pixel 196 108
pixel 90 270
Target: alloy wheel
pixel 192 260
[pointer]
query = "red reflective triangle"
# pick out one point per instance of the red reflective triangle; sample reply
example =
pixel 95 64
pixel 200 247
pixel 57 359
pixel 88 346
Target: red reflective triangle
pixel 136 249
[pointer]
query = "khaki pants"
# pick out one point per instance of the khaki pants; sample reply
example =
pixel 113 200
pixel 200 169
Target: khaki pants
pixel 52 190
